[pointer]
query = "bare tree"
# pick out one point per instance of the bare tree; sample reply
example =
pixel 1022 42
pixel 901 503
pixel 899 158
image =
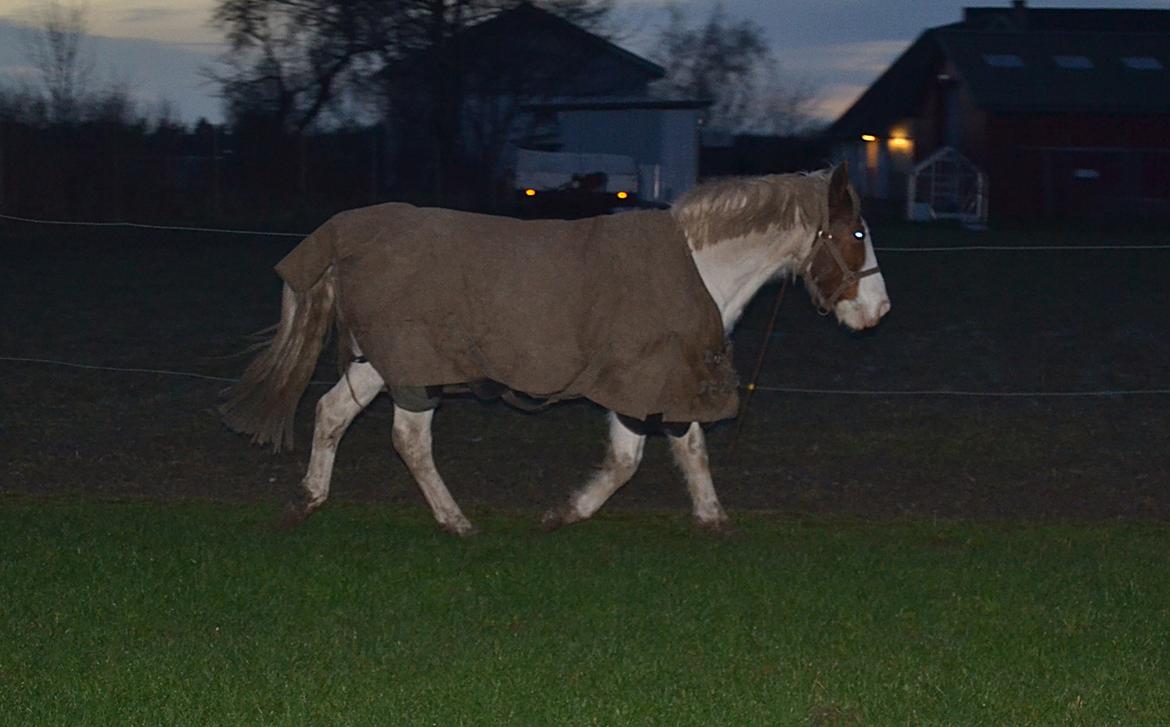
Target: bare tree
pixel 292 62
pixel 296 60
pixel 56 48
pixel 729 63
pixel 288 59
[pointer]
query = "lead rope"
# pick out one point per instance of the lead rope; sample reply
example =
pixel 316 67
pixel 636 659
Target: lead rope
pixel 751 387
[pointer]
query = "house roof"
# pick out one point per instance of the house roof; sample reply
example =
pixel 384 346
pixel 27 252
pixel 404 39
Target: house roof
pixel 1094 20
pixel 527 19
pixel 1033 61
pixel 528 51
pixel 1062 71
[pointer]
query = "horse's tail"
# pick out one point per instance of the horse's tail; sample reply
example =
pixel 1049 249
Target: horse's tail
pixel 264 402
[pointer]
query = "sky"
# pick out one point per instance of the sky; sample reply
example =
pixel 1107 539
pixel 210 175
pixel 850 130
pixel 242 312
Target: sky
pixel 157 48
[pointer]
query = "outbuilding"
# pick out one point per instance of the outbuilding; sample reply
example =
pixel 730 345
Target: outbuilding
pixel 1064 112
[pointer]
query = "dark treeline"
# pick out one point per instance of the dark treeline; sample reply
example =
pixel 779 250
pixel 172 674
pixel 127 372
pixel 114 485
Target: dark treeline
pixel 162 171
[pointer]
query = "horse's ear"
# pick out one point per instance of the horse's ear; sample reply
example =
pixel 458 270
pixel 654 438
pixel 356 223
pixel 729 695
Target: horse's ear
pixel 843 200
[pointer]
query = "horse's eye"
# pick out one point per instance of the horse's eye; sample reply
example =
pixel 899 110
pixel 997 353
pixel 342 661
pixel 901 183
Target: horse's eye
pixel 860 234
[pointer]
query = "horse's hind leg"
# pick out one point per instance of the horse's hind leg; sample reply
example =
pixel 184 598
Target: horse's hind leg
pixel 412 439
pixel 625 453
pixel 335 411
pixel 690 453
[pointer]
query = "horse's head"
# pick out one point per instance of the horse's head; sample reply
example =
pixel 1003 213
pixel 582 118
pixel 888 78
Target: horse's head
pixel 841 270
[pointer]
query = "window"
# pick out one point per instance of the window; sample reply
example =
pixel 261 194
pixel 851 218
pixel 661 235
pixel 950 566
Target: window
pixel 1142 63
pixel 1003 60
pixel 1075 63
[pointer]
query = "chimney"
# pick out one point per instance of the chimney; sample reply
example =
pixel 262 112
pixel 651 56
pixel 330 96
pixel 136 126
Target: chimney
pixel 1020 14
pixel 995 18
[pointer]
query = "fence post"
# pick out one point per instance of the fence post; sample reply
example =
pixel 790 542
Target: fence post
pixel 115 172
pixel 374 164
pixel 302 172
pixel 3 138
pixel 911 194
pixel 216 206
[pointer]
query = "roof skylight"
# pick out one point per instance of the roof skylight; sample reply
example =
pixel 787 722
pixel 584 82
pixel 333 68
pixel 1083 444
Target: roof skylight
pixel 1142 63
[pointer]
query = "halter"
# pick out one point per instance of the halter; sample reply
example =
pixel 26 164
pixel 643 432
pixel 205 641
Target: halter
pixel 850 276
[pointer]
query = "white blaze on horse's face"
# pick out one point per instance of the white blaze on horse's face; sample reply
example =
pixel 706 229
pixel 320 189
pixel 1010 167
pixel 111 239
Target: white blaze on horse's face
pixel 872 302
pixel 841 271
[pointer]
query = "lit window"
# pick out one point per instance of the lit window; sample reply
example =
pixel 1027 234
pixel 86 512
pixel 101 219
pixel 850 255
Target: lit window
pixel 1003 60
pixel 1075 63
pixel 1142 63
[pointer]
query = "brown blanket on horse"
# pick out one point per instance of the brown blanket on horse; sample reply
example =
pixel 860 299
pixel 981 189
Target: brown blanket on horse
pixel 608 308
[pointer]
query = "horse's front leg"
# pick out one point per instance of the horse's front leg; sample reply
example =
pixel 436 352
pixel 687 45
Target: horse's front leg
pixel 690 453
pixel 412 440
pixel 621 462
pixel 335 411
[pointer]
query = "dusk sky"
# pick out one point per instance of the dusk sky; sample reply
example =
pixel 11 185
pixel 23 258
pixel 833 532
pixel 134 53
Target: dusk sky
pixel 838 46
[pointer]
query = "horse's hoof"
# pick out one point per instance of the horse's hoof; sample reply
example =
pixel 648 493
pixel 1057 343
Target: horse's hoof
pixel 462 529
pixel 555 519
pixel 295 513
pixel 720 527
pixel 551 520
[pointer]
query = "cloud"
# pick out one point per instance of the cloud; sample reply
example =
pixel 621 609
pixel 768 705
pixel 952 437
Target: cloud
pixel 865 57
pixel 18 71
pixel 20 13
pixel 836 48
pixel 836 99
pixel 839 72
pixel 152 14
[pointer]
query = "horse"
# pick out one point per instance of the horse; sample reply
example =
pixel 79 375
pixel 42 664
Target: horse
pixel 737 235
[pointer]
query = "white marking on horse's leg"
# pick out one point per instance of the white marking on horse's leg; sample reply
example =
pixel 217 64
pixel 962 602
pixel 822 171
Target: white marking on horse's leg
pixel 335 411
pixel 621 462
pixel 690 454
pixel 412 440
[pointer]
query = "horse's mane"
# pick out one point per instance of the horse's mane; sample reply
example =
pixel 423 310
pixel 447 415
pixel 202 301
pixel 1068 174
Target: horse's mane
pixel 728 208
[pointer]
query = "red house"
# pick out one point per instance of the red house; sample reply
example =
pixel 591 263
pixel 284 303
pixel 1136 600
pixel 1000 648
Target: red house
pixel 1065 111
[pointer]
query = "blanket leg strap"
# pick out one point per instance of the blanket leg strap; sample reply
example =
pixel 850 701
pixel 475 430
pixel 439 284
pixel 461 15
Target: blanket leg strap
pixel 416 398
pixel 525 402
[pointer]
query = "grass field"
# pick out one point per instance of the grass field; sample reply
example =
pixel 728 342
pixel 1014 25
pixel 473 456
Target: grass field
pixel 198 613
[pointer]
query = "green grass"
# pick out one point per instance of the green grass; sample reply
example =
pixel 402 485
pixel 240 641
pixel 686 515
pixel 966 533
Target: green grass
pixel 146 613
